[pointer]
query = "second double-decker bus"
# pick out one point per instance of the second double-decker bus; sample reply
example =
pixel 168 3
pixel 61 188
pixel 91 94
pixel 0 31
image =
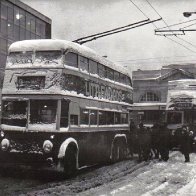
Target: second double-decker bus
pixel 63 106
pixel 181 103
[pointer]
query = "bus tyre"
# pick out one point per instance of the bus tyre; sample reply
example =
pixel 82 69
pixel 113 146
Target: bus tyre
pixel 70 162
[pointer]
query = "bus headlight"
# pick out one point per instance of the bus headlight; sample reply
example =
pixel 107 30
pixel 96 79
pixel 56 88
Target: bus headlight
pixel 5 143
pixel 47 146
pixel 2 134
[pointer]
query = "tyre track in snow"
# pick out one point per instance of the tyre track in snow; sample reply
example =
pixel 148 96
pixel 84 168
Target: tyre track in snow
pixel 89 180
pixel 121 185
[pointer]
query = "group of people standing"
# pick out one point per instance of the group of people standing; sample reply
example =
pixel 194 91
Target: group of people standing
pixel 155 142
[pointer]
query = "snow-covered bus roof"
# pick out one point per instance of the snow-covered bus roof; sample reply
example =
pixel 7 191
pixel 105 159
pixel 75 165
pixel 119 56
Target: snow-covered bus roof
pixel 49 44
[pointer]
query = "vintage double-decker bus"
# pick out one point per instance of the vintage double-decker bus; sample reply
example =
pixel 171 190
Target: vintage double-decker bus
pixel 181 103
pixel 63 106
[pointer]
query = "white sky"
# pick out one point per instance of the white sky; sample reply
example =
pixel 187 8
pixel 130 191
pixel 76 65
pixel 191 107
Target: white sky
pixel 72 19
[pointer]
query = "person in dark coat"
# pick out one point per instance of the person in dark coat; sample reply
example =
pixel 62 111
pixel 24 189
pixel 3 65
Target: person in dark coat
pixel 155 140
pixel 164 142
pixel 132 137
pixel 144 141
pixel 185 143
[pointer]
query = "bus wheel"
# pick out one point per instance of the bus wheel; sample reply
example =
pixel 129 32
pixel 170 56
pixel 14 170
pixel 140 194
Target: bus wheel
pixel 70 162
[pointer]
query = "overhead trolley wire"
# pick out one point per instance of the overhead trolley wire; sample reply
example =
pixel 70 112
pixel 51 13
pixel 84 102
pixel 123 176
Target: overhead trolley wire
pixel 172 31
pixel 112 30
pixel 180 44
pixel 99 35
pixel 176 24
pixel 139 9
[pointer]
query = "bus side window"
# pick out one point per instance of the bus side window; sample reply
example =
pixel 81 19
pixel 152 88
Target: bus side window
pixel 124 118
pixel 117 118
pixel 116 76
pixel 109 73
pixel 92 67
pixel 110 118
pixel 64 113
pixel 93 117
pixel 84 117
pixel 102 117
pixel 71 59
pixel 84 63
pixel 101 71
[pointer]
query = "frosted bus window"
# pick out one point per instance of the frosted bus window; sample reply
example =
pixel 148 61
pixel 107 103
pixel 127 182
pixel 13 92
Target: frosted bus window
pixel 84 117
pixel 71 59
pixel 83 63
pixel 74 83
pixel 48 57
pixel 14 113
pixel 93 117
pixel 92 67
pixel 15 58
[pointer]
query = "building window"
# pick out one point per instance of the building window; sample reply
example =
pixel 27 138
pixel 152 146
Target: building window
pixel 149 96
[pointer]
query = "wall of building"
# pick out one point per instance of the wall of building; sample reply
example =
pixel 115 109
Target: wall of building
pixel 19 22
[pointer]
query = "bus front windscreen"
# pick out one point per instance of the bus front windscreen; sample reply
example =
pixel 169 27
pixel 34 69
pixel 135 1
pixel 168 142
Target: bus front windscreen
pixel 14 113
pixel 43 111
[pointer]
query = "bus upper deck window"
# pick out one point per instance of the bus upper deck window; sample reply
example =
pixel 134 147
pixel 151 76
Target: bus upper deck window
pixel 71 59
pixel 92 67
pixel 101 71
pixel 84 63
pixel 15 58
pixel 109 73
pixel 48 57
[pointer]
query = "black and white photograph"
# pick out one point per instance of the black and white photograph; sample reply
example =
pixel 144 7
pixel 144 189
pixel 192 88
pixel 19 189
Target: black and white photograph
pixel 97 98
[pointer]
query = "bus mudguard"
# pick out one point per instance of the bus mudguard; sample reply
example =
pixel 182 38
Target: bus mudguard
pixel 65 145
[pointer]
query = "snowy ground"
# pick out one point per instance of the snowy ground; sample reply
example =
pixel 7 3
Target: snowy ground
pixel 126 178
pixel 174 178
pixel 153 178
